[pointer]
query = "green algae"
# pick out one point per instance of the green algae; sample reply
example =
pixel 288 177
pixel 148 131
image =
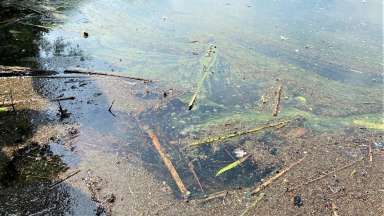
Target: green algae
pixel 376 124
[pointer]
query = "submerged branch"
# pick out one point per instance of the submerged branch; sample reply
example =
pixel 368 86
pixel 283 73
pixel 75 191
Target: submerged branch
pixel 235 134
pixel 105 74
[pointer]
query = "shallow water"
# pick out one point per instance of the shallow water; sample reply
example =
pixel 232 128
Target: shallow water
pixel 327 52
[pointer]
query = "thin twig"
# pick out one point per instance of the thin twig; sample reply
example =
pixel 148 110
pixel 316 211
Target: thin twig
pixel 329 173
pixel 192 169
pixel 110 109
pixel 214 196
pixel 260 197
pixel 278 99
pixel 64 179
pixel 275 177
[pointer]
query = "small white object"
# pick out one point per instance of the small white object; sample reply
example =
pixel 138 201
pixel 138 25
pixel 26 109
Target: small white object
pixel 239 153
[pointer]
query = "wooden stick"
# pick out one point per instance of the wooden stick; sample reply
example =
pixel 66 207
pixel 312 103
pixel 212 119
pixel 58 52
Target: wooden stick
pixel 64 179
pixel 214 196
pixel 167 163
pixel 105 74
pixel 235 134
pixel 192 169
pixel 275 177
pixel 278 99
pixel 260 197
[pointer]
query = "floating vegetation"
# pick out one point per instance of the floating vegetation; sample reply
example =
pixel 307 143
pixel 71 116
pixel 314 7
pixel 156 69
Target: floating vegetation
pixel 301 99
pixel 207 62
pixel 369 124
pixel 232 165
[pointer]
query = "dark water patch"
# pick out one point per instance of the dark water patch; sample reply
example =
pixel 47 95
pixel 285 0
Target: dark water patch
pixel 247 174
pixel 32 163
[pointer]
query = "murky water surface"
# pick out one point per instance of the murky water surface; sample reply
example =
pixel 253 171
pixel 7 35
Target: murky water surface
pixel 326 55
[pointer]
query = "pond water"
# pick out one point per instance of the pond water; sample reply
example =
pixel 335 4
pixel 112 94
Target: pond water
pixel 326 54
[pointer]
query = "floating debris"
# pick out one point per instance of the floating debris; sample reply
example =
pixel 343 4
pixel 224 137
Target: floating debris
pixel 231 165
pixel 239 153
pixel 207 63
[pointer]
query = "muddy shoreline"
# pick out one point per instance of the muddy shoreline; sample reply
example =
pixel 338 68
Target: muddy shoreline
pixel 129 180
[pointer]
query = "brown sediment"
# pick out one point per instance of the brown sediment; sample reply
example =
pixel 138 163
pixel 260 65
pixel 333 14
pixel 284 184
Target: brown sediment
pixel 329 173
pixel 275 177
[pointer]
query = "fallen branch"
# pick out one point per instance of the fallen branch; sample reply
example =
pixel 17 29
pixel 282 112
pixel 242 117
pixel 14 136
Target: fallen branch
pixel 260 197
pixel 235 134
pixel 105 74
pixel 192 169
pixel 278 99
pixel 64 179
pixel 275 177
pixel 168 163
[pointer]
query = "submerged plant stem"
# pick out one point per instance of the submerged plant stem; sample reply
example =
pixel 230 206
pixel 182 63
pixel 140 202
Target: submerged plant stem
pixel 235 134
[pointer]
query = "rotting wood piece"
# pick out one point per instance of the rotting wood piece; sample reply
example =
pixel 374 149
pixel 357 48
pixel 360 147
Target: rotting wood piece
pixel 168 163
pixel 106 74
